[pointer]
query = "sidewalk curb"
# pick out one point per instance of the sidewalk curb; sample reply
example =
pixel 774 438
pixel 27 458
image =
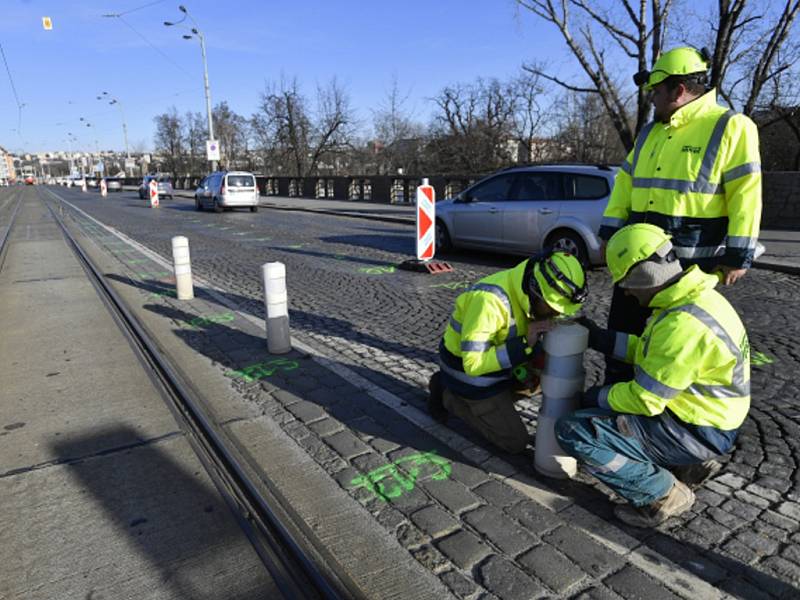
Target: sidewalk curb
pixel 780 267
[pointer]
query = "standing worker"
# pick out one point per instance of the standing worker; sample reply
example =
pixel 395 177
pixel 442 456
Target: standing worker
pixel 494 332
pixel 694 171
pixel 691 391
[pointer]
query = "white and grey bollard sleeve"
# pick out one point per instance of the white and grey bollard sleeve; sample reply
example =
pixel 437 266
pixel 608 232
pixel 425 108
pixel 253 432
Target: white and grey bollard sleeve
pixel 562 381
pixel 277 307
pixel 183 268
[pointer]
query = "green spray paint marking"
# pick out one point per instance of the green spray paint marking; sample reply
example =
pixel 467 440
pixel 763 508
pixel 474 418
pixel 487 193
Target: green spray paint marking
pixel 388 482
pixel 376 270
pixel 759 358
pixel 198 322
pixel 265 369
pixel 137 261
pixel 453 285
pixel 339 257
pixel 160 294
pixel 154 275
pixel 296 246
pixel 241 233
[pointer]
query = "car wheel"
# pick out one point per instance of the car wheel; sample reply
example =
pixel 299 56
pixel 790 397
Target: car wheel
pixel 253 209
pixel 217 207
pixel 569 241
pixel 443 242
pixel 198 206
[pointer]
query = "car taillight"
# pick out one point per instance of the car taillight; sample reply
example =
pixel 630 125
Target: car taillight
pixel 222 190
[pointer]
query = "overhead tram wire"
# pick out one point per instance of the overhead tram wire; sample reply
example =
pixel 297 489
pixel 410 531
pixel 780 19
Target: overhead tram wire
pixel 13 89
pixel 126 12
pixel 147 41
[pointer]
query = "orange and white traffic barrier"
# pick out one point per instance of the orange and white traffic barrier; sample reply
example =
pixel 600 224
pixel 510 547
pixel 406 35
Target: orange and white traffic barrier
pixel 103 188
pixel 426 217
pixel 153 186
pixel 183 268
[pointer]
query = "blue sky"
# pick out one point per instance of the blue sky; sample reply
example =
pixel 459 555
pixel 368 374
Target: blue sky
pixel 59 73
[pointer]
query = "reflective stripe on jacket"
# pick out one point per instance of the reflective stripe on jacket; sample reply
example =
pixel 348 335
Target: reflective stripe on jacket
pixel 693 360
pixel 485 337
pixel 699 178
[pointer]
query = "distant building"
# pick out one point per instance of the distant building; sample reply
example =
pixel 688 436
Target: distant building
pixel 7 171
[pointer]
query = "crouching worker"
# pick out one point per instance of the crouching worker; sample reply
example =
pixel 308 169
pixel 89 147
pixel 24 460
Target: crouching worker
pixel 494 332
pixel 690 392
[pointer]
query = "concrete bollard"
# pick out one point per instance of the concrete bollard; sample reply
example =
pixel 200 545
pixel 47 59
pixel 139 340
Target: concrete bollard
pixel 277 307
pixel 562 381
pixel 183 268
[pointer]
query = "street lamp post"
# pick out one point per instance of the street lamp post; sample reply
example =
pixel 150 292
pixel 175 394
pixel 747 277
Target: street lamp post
pixel 199 34
pixel 115 101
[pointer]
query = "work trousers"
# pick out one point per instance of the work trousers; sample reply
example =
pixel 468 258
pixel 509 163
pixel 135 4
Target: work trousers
pixel 601 440
pixel 495 418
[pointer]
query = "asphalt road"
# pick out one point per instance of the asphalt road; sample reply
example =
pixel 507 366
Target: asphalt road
pixel 347 296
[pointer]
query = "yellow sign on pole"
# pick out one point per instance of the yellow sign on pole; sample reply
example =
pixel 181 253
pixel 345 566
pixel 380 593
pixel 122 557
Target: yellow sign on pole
pixel 47 23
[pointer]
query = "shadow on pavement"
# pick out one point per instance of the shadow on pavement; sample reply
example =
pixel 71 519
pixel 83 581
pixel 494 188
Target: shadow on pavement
pixel 182 527
pixel 370 420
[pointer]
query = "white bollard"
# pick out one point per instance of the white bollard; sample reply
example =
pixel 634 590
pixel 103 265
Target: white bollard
pixel 277 305
pixel 562 381
pixel 103 188
pixel 183 268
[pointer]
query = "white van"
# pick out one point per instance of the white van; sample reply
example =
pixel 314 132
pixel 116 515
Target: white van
pixel 227 189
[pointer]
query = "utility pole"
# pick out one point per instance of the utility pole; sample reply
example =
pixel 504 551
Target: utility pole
pixel 199 34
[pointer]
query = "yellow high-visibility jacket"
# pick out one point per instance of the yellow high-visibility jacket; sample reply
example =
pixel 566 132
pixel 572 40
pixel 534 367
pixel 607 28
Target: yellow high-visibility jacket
pixel 485 337
pixel 698 177
pixel 693 360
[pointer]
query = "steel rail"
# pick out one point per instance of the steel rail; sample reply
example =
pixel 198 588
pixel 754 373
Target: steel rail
pixel 4 238
pixel 298 568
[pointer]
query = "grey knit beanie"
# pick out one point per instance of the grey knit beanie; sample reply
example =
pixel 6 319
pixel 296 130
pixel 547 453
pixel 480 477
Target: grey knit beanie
pixel 650 274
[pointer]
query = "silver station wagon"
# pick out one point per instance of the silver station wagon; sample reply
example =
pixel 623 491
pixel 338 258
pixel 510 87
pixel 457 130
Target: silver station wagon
pixel 521 210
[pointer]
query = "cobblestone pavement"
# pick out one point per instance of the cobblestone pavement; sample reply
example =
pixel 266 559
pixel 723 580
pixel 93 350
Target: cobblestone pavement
pixel 347 298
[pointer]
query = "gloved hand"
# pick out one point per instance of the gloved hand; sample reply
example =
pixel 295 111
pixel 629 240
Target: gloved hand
pixel 590 398
pixel 600 339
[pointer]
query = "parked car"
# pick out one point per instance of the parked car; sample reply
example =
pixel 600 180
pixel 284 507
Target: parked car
pixel 227 189
pixel 164 186
pixel 113 185
pixel 521 210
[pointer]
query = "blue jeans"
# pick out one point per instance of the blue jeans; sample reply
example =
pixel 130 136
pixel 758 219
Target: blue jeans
pixel 614 455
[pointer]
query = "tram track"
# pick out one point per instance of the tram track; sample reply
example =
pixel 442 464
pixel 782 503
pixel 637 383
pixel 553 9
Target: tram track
pixel 298 567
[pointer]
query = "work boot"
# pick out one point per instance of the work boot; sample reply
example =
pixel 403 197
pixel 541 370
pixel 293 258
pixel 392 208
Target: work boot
pixel 436 407
pixel 694 475
pixel 679 500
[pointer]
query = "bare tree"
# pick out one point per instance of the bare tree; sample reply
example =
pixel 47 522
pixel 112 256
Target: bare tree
pixel 752 49
pixel 296 139
pixel 169 140
pixel 473 127
pixel 231 131
pixel 634 31
pixel 752 46
pixel 398 139
pixel 195 134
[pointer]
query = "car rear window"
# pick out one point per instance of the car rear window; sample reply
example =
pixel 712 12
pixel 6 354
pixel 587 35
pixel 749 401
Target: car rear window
pixel 587 187
pixel 241 181
pixel 165 180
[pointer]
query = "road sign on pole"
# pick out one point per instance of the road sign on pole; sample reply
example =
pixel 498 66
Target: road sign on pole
pixel 426 217
pixel 153 186
pixel 212 149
